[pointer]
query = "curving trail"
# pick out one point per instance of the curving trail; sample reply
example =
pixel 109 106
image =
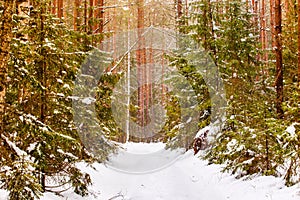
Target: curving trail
pixel 188 178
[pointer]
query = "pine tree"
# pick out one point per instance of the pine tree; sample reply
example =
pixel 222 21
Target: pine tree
pixel 6 25
pixel 39 139
pixel 200 33
pixel 291 95
pixel 248 139
pixel 232 41
pixel 255 139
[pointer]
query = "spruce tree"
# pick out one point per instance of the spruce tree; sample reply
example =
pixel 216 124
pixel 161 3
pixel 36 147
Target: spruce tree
pixel 40 139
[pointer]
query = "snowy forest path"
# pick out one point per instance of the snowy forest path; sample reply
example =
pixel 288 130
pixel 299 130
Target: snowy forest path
pixel 187 178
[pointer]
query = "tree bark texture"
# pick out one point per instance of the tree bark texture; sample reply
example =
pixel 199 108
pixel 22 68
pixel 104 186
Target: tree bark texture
pixel 6 35
pixel 278 53
pixel 141 62
pixel 298 43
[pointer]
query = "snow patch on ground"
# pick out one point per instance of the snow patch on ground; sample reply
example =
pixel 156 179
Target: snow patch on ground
pixel 3 195
pixel 188 178
pixel 143 148
pixel 140 158
pixel 291 129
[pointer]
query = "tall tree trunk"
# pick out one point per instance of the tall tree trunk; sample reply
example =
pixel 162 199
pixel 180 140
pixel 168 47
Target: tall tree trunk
pixel 299 43
pixel 6 35
pixel 205 22
pixel 286 8
pixel 90 17
pixel 263 29
pixel 85 16
pixel 255 10
pixel 114 26
pixel 42 78
pixel 60 8
pixel 99 15
pixel 179 14
pixel 278 53
pixel 128 82
pixel 54 7
pixel 179 10
pixel 211 25
pixel 101 18
pixel 76 14
pixel 272 23
pixel 141 62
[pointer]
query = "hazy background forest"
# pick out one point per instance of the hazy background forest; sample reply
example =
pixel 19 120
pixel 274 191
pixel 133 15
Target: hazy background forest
pixel 254 44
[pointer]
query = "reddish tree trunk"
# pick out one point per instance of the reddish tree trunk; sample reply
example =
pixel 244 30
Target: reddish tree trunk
pixel 278 53
pixel 90 17
pixel 60 10
pixel 54 7
pixel 180 13
pixel 299 43
pixel 263 30
pixel 272 22
pixel 99 15
pixel 286 7
pixel 141 62
pixel 6 35
pixel 256 14
pixel 85 16
pixel 76 14
pixel 179 9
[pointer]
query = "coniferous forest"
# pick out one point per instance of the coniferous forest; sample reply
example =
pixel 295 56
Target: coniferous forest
pixel 51 50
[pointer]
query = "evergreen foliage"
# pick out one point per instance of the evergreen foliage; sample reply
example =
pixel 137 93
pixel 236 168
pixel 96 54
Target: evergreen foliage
pixel 253 140
pixel 39 142
pixel 49 70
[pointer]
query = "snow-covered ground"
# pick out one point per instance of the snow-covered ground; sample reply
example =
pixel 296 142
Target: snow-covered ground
pixel 180 177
